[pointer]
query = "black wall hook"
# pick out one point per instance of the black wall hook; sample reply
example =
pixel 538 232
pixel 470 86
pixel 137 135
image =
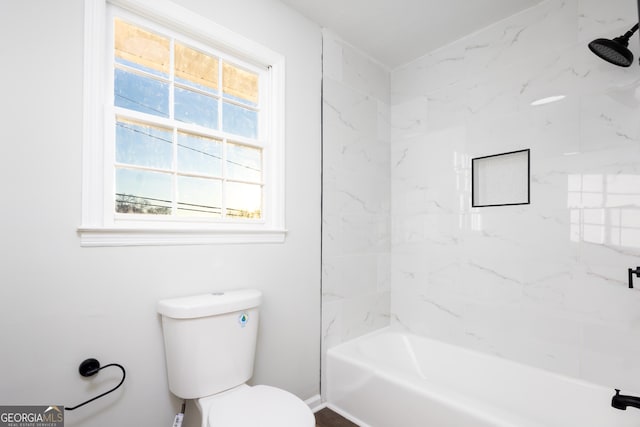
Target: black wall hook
pixel 89 368
pixel 631 273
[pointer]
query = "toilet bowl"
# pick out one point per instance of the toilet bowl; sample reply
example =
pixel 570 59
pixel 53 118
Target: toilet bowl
pixel 257 406
pixel 210 343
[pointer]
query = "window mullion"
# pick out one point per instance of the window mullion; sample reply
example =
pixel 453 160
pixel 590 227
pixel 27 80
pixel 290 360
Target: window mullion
pixel 143 73
pixel 224 140
pixel 220 95
pixel 174 201
pixel 172 78
pixel 224 178
pixel 121 112
pixel 255 108
pixel 174 163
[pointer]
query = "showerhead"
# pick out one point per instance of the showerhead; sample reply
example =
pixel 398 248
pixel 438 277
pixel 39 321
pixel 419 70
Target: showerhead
pixel 615 51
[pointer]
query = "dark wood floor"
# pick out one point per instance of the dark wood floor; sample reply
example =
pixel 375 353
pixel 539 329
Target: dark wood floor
pixel 327 418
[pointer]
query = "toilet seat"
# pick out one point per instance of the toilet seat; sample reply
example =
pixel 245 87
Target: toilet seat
pixel 258 406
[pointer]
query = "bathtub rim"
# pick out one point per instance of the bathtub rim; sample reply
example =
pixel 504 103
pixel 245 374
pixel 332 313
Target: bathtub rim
pixel 347 349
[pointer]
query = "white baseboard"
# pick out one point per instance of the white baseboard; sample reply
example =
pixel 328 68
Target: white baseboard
pixel 315 403
pixel 347 415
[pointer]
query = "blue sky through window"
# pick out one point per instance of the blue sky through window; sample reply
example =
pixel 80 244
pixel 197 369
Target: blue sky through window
pixel 190 171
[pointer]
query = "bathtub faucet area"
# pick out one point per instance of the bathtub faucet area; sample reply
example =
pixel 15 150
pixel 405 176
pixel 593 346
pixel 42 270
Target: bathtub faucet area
pixel 621 401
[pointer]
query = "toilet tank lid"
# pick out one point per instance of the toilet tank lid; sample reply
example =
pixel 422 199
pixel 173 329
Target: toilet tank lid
pixel 211 304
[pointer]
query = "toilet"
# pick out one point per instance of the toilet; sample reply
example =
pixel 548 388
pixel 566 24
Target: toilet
pixel 210 343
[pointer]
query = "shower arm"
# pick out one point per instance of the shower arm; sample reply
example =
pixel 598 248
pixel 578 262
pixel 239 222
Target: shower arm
pixel 633 29
pixel 629 33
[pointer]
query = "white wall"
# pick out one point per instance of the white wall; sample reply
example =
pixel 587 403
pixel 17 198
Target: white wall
pixel 356 184
pixel 545 283
pixel 60 303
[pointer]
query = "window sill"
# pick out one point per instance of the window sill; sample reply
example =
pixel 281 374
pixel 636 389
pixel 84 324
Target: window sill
pixel 107 236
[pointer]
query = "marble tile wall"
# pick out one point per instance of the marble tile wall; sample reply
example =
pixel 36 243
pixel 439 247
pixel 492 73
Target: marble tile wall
pixel 356 231
pixel 544 283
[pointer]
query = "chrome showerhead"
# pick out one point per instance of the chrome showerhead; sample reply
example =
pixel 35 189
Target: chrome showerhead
pixel 615 51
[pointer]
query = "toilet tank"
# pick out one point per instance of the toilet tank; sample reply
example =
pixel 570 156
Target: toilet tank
pixel 210 341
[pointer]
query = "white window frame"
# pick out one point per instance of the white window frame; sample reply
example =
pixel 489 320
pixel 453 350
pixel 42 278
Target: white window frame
pixel 101 226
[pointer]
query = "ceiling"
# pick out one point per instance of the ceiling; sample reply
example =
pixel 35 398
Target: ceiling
pixel 395 32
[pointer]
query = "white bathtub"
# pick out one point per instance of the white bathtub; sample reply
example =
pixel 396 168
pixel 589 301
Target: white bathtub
pixel 394 379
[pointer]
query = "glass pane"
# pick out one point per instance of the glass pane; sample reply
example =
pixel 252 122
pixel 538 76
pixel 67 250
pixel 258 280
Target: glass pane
pixel 244 163
pixel 244 200
pixel 139 93
pixel 194 107
pixel 197 154
pixel 199 197
pixel 143 145
pixel 143 192
pixel 239 121
pixel 239 84
pixel 196 68
pixel 141 49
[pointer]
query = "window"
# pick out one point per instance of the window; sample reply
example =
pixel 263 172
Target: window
pixel 187 137
pixel 189 148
